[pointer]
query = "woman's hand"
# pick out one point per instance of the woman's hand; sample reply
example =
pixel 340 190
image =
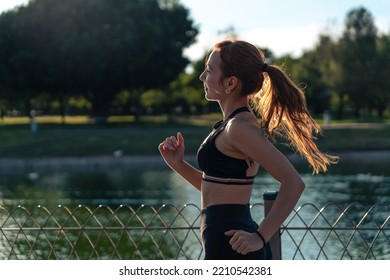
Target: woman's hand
pixel 244 242
pixel 172 150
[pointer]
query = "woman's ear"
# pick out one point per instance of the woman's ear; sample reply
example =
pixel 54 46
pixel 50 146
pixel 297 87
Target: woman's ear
pixel 231 83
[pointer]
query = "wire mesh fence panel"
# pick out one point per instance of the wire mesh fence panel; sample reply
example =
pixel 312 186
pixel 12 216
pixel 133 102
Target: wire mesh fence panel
pixel 147 232
pixel 170 232
pixel 332 232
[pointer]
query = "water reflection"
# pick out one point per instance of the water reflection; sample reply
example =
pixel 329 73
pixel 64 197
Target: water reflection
pixel 108 188
pixel 161 186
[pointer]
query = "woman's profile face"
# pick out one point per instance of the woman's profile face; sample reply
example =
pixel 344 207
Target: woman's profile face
pixel 212 78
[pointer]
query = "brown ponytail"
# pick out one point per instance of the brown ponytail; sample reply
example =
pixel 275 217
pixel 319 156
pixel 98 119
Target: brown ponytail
pixel 282 106
pixel 280 103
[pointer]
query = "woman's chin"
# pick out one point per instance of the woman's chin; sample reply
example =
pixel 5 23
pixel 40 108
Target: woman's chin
pixel 209 96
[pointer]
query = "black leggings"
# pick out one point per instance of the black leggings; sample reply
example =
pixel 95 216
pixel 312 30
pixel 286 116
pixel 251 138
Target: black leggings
pixel 216 220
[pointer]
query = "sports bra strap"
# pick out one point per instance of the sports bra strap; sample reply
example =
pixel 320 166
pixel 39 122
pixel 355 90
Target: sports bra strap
pixel 219 126
pixel 237 111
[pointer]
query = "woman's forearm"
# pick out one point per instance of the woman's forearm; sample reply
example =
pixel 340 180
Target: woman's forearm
pixel 189 173
pixel 282 207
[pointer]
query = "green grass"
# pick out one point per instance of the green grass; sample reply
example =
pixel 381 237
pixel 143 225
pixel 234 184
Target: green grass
pixel 80 138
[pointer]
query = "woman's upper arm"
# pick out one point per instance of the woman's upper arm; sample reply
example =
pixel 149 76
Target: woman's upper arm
pixel 250 140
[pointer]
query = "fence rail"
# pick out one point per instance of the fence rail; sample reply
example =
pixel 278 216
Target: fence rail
pixel 170 232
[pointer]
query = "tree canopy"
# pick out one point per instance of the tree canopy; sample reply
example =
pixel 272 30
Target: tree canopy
pixel 94 48
pixel 127 57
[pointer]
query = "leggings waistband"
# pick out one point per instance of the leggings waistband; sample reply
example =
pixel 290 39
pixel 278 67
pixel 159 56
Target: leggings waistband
pixel 226 213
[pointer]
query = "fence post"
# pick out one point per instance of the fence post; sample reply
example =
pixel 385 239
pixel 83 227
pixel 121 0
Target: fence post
pixel 275 241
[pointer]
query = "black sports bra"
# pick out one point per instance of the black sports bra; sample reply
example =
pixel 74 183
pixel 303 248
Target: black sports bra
pixel 218 167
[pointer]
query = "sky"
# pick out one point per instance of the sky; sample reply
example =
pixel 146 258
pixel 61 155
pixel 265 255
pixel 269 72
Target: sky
pixel 283 26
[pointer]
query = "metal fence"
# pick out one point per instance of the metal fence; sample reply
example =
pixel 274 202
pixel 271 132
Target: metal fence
pixel 169 232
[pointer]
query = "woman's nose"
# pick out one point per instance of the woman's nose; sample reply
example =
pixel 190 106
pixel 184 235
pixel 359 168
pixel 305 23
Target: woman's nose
pixel 201 76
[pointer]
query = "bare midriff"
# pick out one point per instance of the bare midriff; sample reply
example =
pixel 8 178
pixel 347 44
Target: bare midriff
pixel 215 193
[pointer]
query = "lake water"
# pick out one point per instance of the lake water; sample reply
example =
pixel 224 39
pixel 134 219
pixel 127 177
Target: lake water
pixel 147 181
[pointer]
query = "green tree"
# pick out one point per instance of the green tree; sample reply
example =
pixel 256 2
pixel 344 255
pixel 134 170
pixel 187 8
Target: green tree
pixel 357 58
pixel 154 100
pixel 18 78
pixel 99 47
pixel 188 90
pixel 381 84
pixel 319 70
pixel 330 68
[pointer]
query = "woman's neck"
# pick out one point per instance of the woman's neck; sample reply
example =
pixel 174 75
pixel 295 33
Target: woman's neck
pixel 228 107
